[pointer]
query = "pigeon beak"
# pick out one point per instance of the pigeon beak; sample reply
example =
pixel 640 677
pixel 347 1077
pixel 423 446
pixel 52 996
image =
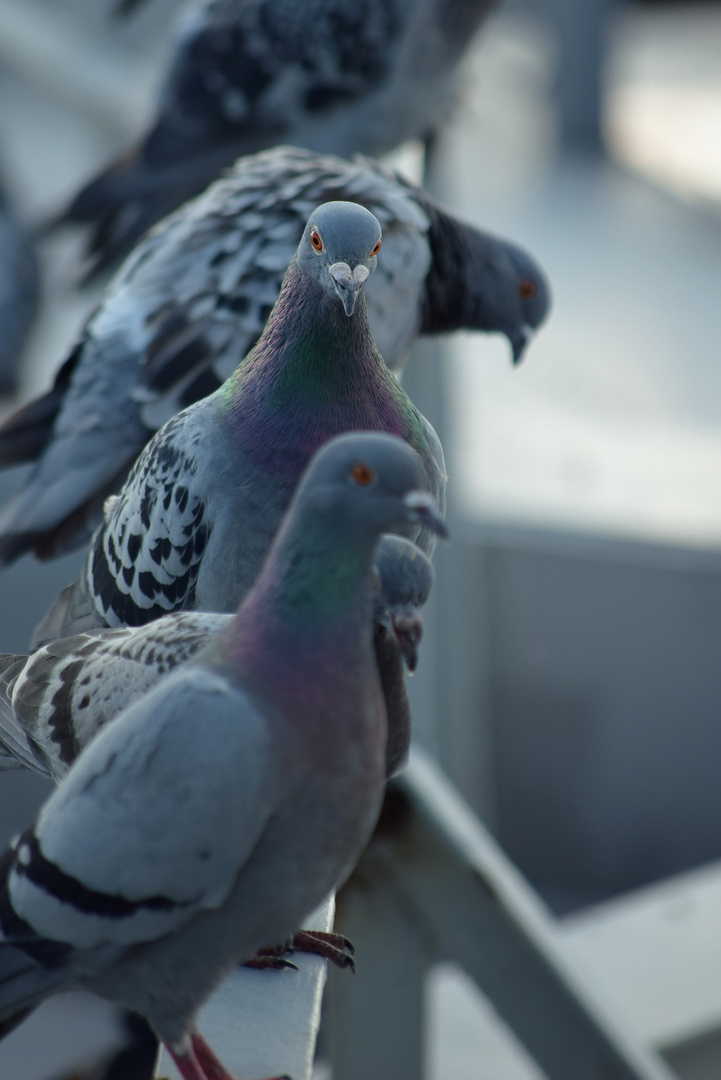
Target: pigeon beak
pixel 348 283
pixel 408 630
pixel 520 343
pixel 423 508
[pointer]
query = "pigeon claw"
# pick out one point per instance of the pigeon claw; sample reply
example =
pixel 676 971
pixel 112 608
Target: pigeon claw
pixel 272 959
pixel 332 947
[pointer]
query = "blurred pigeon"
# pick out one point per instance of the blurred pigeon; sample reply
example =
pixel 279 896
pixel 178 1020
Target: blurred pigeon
pixel 18 294
pixel 336 76
pixel 53 703
pixel 406 577
pixel 191 526
pixel 218 811
pixel 193 299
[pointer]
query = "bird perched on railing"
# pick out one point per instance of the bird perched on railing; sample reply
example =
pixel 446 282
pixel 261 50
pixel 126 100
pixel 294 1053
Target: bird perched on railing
pixel 18 293
pixel 215 814
pixel 191 526
pixel 195 296
pixel 54 702
pixel 337 76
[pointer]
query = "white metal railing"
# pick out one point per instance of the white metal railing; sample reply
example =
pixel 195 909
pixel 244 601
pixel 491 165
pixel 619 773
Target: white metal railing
pixel 434 885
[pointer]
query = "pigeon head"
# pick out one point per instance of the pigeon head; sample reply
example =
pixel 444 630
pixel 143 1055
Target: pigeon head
pixel 405 576
pixel 369 483
pixel 480 282
pixel 528 301
pixel 507 291
pixel 339 248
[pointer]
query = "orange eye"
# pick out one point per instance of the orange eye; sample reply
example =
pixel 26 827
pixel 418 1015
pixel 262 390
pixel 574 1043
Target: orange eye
pixel 315 241
pixel 376 249
pixel 527 289
pixel 362 474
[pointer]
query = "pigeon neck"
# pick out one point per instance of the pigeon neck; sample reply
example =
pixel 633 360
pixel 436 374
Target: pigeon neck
pixel 310 354
pixel 458 258
pixel 314 374
pixel 314 596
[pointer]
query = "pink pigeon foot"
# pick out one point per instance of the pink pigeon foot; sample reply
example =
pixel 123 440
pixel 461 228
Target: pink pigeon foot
pixel 212 1069
pixel 186 1062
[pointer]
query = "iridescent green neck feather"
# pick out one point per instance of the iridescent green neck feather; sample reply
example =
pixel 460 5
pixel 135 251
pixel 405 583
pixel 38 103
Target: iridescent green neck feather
pixel 314 373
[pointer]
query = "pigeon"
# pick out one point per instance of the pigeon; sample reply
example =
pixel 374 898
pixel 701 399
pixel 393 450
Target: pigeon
pixel 194 298
pixel 190 527
pixel 335 76
pixel 19 288
pixel 54 702
pixel 217 811
pixel 406 578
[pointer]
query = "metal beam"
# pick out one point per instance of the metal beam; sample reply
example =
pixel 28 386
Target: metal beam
pixel 433 860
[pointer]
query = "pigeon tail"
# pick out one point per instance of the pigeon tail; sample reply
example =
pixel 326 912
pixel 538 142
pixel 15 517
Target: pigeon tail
pixel 24 984
pixel 16 748
pixel 26 433
pixel 119 207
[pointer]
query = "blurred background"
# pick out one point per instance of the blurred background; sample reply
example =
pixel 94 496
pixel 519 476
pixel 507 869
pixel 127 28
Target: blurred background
pixel 570 680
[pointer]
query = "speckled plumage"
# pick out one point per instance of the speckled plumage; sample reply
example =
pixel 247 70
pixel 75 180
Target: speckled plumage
pixel 335 76
pixel 54 702
pixel 194 298
pixel 219 810
pixel 192 524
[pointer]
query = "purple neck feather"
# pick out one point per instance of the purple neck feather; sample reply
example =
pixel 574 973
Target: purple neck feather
pixel 315 373
pixel 308 618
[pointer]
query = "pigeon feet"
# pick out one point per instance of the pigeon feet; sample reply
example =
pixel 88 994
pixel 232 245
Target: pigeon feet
pixel 186 1062
pixel 333 947
pixel 198 1062
pixel 271 959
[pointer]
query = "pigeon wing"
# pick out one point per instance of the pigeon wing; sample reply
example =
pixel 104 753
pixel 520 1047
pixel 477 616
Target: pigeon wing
pixel 155 822
pixel 144 560
pixel 54 702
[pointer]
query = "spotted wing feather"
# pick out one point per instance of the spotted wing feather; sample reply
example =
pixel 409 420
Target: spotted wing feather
pixel 54 702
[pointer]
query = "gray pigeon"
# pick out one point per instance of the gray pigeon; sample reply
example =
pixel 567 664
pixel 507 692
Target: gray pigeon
pixel 53 703
pixel 194 298
pixel 191 526
pixel 406 577
pixel 336 76
pixel 220 809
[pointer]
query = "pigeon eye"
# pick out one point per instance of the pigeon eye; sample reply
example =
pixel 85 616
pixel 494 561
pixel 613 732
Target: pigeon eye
pixel 527 289
pixel 376 249
pixel 315 241
pixel 362 474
